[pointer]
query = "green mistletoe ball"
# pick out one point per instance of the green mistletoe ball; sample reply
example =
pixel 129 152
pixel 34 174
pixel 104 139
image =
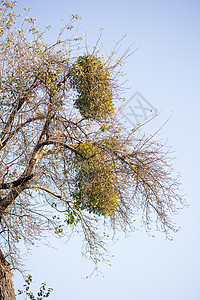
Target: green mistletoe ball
pixel 91 80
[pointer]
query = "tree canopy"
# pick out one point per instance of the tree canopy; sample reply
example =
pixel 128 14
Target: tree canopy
pixel 65 162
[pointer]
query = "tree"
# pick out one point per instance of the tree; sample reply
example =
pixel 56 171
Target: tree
pixel 65 163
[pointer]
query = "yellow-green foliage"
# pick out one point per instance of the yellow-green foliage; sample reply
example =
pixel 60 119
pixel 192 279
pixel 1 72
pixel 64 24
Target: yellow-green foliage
pixel 95 184
pixel 92 82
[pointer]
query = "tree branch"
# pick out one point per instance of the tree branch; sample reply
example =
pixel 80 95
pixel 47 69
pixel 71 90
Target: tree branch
pixel 16 108
pixel 40 187
pixel 23 179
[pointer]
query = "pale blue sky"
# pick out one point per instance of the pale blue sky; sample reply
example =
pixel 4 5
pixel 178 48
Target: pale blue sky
pixel 166 71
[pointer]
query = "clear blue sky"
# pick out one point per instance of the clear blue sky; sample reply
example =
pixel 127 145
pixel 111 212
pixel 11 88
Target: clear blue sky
pixel 166 71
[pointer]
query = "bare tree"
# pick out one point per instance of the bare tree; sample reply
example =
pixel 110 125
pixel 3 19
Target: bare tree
pixel 65 163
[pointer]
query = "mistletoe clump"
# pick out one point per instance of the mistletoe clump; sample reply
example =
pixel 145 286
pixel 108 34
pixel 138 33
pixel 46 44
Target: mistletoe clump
pixel 96 188
pixel 90 78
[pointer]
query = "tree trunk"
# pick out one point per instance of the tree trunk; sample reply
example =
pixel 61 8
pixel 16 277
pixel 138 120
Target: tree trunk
pixel 6 284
